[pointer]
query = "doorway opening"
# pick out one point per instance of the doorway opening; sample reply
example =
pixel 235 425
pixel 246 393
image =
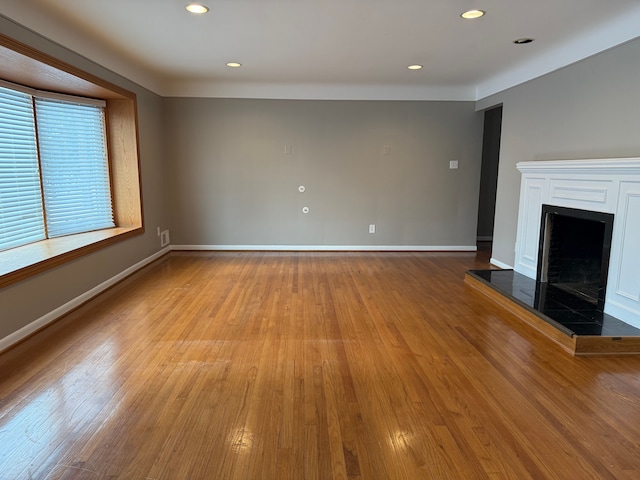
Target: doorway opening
pixel 489 173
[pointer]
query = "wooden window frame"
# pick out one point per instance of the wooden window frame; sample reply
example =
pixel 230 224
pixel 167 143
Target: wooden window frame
pixel 27 66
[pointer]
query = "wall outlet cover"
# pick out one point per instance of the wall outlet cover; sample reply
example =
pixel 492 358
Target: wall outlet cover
pixel 164 238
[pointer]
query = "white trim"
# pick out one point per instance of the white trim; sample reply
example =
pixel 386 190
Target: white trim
pixel 63 97
pixel 307 91
pixel 17 87
pixel 332 248
pixel 617 310
pixel 53 315
pixel 591 166
pixel 500 264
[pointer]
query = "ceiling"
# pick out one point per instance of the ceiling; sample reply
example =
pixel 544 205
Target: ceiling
pixel 331 48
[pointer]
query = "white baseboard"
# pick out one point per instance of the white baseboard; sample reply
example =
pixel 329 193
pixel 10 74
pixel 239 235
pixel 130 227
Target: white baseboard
pixel 498 263
pixel 332 248
pixel 622 312
pixel 43 321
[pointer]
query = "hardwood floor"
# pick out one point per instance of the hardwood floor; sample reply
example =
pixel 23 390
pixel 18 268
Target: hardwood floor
pixel 235 365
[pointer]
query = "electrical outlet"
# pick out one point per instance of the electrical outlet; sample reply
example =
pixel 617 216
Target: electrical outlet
pixel 372 228
pixel 453 164
pixel 158 231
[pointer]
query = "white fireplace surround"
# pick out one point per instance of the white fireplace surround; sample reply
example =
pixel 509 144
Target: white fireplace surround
pixel 610 185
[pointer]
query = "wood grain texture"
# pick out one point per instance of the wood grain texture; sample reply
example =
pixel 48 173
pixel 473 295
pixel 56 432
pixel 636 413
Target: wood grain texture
pixel 124 162
pixel 236 365
pixel 577 344
pixel 587 345
pixel 22 262
pixel 25 65
pixel 565 341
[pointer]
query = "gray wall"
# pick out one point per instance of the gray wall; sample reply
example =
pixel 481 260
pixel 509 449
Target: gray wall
pixel 231 182
pixel 590 109
pixel 26 301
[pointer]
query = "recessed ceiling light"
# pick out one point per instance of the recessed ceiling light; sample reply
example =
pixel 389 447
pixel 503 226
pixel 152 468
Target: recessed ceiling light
pixel 197 8
pixel 522 41
pixel 233 64
pixel 414 67
pixel 471 14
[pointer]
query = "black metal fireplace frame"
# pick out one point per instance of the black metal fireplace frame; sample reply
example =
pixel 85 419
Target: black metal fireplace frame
pixel 543 244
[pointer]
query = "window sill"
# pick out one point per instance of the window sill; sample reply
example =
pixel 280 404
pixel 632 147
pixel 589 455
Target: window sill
pixel 19 263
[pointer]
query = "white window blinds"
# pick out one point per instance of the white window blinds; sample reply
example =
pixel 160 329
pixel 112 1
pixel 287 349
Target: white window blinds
pixel 21 216
pixel 75 175
pixel 56 182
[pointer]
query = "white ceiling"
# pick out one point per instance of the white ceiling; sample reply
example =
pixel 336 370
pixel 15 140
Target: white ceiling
pixel 331 48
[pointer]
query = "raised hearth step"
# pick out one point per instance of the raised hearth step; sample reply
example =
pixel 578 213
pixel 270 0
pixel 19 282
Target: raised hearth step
pixel 578 326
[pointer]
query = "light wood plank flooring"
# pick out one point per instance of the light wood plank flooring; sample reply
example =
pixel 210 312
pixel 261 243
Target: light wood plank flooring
pixel 236 365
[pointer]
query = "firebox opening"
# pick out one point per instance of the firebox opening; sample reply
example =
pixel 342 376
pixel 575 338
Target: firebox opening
pixel 574 251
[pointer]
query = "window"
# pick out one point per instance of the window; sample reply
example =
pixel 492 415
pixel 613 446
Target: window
pixel 54 182
pixel 21 214
pixel 37 199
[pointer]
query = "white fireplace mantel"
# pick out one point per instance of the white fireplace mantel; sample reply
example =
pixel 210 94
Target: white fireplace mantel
pixel 609 185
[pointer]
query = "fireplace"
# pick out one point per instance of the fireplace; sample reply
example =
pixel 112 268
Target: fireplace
pixel 574 250
pixel 583 196
pixel 576 272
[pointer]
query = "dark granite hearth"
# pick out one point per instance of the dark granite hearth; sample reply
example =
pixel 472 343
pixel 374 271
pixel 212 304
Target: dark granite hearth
pixel 567 312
